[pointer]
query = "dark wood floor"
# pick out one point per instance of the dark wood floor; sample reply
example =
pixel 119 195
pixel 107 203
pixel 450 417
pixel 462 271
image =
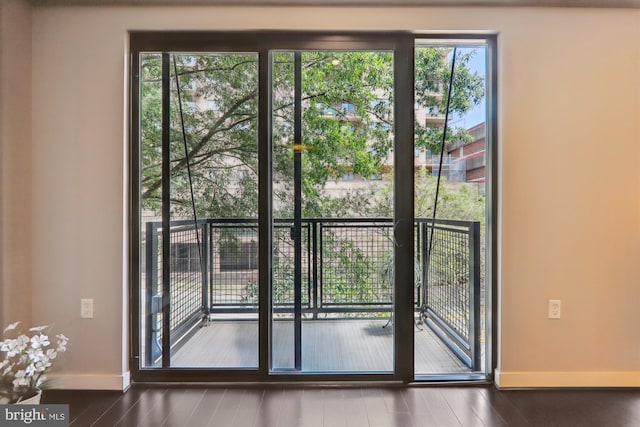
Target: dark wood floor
pixel 438 406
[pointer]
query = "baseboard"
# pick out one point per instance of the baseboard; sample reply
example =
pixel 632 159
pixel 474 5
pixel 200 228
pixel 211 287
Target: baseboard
pixel 567 379
pixel 90 382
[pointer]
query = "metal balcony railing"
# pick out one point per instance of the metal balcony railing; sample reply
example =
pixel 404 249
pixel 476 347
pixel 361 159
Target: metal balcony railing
pixel 347 268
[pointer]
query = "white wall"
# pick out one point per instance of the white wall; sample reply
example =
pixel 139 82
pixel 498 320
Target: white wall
pixel 15 162
pixel 569 191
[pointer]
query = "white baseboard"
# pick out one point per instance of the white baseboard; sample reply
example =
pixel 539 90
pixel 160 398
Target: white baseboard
pixel 567 379
pixel 89 382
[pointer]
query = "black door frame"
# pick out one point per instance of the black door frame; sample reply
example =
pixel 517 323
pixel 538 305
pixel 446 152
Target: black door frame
pixel 264 43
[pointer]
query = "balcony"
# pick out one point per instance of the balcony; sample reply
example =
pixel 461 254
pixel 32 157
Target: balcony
pixel 347 277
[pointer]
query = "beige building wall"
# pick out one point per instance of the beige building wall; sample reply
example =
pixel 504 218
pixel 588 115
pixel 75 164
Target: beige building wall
pixel 15 163
pixel 569 89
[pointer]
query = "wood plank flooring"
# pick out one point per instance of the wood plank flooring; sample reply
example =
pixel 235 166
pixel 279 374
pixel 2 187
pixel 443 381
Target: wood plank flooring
pixel 439 406
pixel 327 346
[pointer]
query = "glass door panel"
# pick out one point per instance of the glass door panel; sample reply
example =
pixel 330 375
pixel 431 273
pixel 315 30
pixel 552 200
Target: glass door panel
pixel 336 202
pixel 332 284
pixel 450 160
pixel 151 190
pixel 285 304
pixel 199 156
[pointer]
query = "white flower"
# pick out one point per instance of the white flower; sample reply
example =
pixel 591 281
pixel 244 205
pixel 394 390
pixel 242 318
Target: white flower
pixel 5 345
pixel 30 370
pixel 62 342
pixel 11 347
pixel 42 366
pixel 25 358
pixel 20 379
pixel 14 346
pixel 11 327
pixel 39 340
pixel 35 355
pixel 23 341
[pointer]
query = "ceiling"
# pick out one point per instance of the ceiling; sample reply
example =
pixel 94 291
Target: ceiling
pixel 510 3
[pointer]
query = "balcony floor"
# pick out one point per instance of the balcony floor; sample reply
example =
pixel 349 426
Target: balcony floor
pixel 327 346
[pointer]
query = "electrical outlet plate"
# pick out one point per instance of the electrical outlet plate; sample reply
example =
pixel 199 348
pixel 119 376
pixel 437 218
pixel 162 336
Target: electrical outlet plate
pixel 86 308
pixel 555 308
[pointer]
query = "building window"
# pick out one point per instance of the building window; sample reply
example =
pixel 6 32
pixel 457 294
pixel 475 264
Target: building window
pixel 185 257
pixel 238 255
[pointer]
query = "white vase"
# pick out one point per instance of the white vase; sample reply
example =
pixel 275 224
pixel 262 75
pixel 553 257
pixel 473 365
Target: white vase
pixel 33 400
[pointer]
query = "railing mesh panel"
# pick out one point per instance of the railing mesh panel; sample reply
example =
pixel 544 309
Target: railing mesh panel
pixel 234 264
pixel 159 282
pixel 347 267
pixel 186 275
pixel 356 264
pixel 448 278
pixel 283 265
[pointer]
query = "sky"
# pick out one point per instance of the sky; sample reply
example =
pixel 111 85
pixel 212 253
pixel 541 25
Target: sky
pixel 477 114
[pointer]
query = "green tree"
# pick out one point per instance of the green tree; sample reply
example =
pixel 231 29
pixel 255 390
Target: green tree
pixel 347 126
pixel 432 84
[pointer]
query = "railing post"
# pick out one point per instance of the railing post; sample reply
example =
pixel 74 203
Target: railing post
pixel 151 280
pixel 425 273
pixel 211 266
pixel 321 267
pixel 314 257
pixel 204 256
pixel 418 257
pixel 475 295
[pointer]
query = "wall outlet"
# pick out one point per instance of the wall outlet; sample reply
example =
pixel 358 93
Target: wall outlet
pixel 555 308
pixel 86 308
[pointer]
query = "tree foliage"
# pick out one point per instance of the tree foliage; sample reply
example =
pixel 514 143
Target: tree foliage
pixel 347 126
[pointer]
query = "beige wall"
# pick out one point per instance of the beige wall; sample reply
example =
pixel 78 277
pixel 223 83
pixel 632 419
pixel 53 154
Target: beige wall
pixel 15 162
pixel 569 102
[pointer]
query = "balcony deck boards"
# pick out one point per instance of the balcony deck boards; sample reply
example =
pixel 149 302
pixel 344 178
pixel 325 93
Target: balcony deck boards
pixel 328 346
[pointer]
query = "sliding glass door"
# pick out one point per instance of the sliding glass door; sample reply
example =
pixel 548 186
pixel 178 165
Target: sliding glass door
pixel 450 175
pixel 332 283
pixel 282 227
pixel 199 203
